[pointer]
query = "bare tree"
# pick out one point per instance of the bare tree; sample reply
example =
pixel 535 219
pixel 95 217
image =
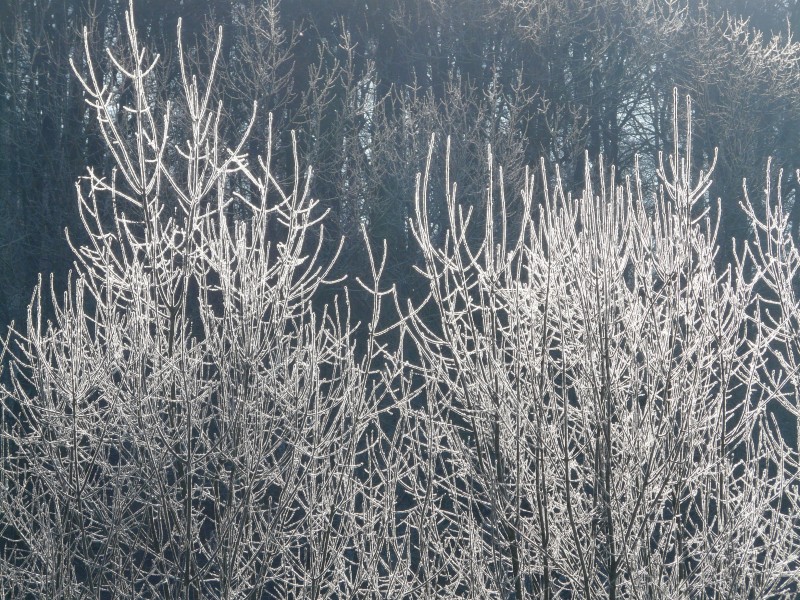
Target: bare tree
pixel 592 415
pixel 188 426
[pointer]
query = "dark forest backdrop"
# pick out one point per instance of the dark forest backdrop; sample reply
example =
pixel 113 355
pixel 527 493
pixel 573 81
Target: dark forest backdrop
pixel 366 83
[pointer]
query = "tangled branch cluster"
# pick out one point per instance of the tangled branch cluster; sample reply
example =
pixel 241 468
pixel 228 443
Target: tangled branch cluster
pixel 580 407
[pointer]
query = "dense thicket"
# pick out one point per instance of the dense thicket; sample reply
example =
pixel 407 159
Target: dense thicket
pixel 296 359
pixel 366 83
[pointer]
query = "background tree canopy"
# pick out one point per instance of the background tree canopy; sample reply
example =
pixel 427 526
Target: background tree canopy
pixel 366 83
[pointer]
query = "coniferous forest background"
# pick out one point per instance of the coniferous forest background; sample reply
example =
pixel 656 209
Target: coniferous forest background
pixel 399 299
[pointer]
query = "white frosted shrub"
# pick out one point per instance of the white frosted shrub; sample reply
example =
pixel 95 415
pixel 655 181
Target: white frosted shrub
pixel 187 426
pixel 581 406
pixel 594 398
